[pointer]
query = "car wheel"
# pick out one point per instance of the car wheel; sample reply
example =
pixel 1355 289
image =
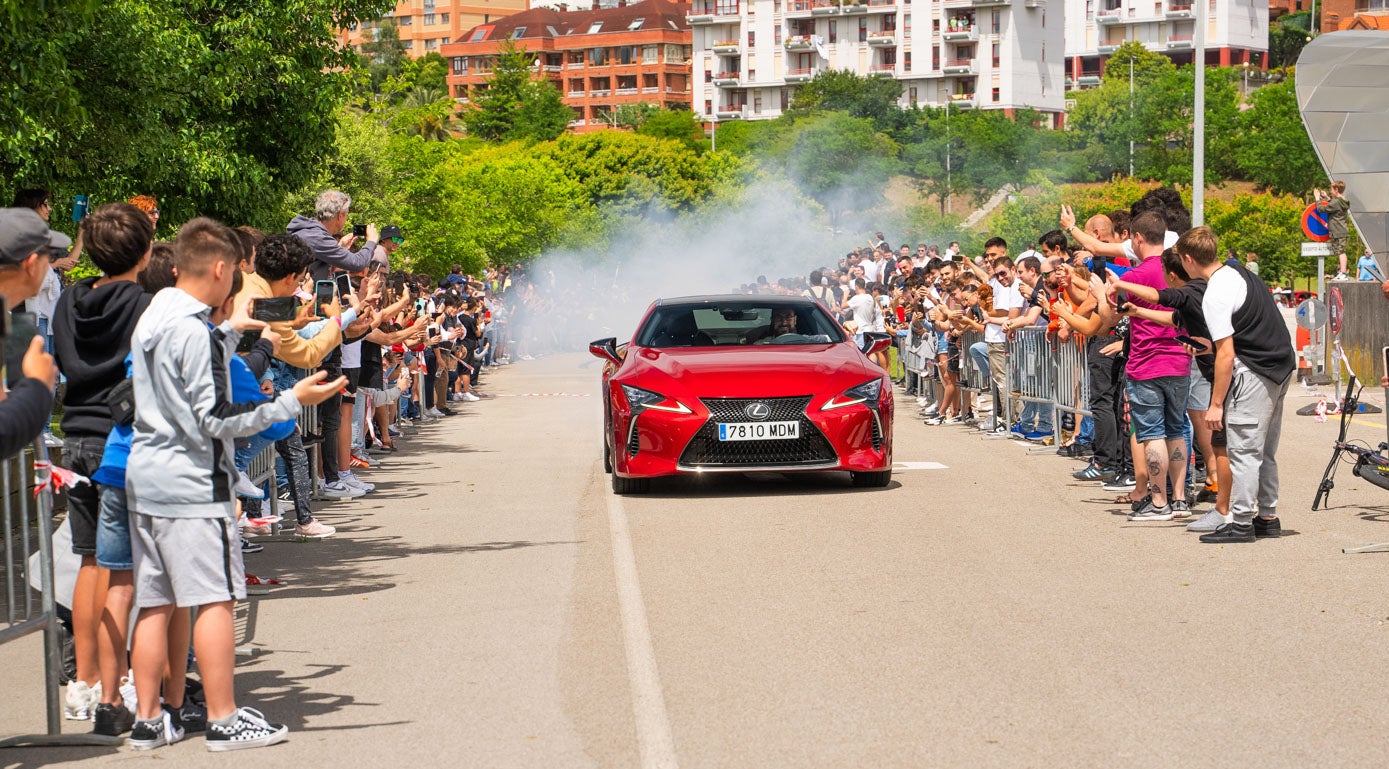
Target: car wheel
pixel 630 485
pixel 871 480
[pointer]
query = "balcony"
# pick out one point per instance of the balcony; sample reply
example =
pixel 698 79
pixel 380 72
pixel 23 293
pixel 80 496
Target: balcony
pixel 958 67
pixel 725 46
pixel 731 111
pixel 726 78
pixel 882 70
pixel 824 7
pixel 882 39
pixel 882 6
pixel 799 74
pixel 711 13
pixel 855 6
pixel 1088 79
pixel 574 65
pixel 1110 46
pixel 1179 42
pixel 961 34
pixel 551 68
pixel 627 91
pixel 978 3
pixel 1111 16
pixel 800 42
pixel 577 94
pixel 1179 11
pixel 650 89
pixel 699 19
pixel 962 100
pixel 599 92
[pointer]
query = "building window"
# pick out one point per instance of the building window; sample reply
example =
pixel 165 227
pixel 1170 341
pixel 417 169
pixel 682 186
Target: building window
pixel 408 44
pixel 834 31
pixel 757 105
pixel 675 54
pixel 649 54
pixel 889 23
pixel 911 94
pixel 478 35
pixel 935 26
pixel 997 21
pixel 597 56
pixel 752 39
pixel 907 61
pixel 863 30
pixel 404 21
pixel 785 98
pixel 996 55
pixel 995 94
pixel 726 7
pixel 635 25
pixel 430 19
pixel 518 33
pixel 443 18
pixel 708 106
pixel 752 75
pixel 906 25
pixel 776 35
pixel 460 65
pixel 935 57
pixel 595 28
pixel 431 44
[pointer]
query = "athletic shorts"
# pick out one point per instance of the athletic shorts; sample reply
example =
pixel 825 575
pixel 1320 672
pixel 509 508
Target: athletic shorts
pixel 186 561
pixel 1198 398
pixel 1338 246
pixel 113 531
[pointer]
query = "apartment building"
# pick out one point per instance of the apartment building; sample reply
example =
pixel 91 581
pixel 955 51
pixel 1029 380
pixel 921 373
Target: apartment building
pixel 751 55
pixel 599 58
pixel 1236 32
pixel 427 25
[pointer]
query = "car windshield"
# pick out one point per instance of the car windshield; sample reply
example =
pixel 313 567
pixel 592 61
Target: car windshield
pixel 738 324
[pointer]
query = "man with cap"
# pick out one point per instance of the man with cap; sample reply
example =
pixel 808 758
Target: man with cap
pixel 391 238
pixel 24 239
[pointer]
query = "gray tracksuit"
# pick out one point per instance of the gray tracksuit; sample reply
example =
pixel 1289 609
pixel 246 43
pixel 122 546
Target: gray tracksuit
pixel 181 456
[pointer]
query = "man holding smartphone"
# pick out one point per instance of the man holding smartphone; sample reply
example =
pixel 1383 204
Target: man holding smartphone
pixel 25 409
pixel 322 234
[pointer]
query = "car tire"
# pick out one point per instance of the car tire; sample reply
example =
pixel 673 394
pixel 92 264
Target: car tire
pixel 871 480
pixel 607 456
pixel 623 486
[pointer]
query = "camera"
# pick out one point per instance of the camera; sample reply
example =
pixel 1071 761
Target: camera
pixel 359 230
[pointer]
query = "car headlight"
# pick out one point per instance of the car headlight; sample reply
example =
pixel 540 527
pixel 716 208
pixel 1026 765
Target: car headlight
pixel 866 392
pixel 641 400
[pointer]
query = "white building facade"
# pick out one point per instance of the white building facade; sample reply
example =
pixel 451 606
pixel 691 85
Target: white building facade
pixel 751 55
pixel 1236 32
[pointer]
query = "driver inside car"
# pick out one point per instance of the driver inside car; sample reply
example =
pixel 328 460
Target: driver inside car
pixel 783 322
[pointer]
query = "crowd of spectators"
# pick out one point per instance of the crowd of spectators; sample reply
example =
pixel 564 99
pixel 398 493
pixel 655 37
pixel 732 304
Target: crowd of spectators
pixel 169 373
pixel 1188 357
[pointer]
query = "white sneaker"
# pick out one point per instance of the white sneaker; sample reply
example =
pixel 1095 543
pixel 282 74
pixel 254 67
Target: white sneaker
pixel 80 701
pixel 128 691
pixel 434 412
pixel 1211 521
pixel 362 455
pixel 340 490
pixel 469 397
pixel 353 482
pixel 986 424
pixel 245 487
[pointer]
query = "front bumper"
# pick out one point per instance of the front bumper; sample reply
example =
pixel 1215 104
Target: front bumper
pixel 659 443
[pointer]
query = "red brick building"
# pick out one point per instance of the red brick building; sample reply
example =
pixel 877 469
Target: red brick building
pixel 599 58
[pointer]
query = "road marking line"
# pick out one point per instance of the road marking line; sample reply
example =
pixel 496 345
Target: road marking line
pixel 654 741
pixel 918 466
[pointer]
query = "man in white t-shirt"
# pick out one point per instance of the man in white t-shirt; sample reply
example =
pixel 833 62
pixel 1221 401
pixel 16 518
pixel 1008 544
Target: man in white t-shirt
pixel 992 353
pixel 864 309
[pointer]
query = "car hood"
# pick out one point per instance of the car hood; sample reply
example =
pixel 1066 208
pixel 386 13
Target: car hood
pixel 747 372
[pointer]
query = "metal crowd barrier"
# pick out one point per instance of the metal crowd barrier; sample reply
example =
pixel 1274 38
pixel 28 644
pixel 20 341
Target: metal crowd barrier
pixel 261 472
pixel 1052 374
pixel 308 424
pixel 31 599
pixel 971 376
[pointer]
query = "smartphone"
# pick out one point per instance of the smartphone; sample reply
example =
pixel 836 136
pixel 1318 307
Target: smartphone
pixel 24 326
pixel 421 305
pixel 1101 267
pixel 344 284
pixel 1121 301
pixel 79 207
pixel 324 291
pixel 248 340
pixel 359 230
pixel 1184 339
pixel 280 308
pixel 901 314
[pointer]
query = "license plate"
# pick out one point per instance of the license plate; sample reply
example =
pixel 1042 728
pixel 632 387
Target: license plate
pixel 759 431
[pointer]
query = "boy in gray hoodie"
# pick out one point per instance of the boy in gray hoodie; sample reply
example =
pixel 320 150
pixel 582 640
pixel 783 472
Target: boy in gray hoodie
pixel 179 482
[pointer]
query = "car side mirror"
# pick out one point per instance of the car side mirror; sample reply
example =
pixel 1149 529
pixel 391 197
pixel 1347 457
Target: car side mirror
pixel 875 342
pixel 606 349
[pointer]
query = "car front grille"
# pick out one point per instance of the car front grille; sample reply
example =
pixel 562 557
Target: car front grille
pixel 706 450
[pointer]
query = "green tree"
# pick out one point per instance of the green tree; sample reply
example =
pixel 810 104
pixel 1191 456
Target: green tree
pixel 1286 38
pixel 212 110
pixel 515 105
pixel 678 125
pixel 1268 226
pixel 1273 148
pixel 842 162
pixel 632 116
pixel 385 55
pixel 840 90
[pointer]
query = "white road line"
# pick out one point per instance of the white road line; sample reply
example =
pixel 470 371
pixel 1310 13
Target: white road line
pixel 654 742
pixel 918 466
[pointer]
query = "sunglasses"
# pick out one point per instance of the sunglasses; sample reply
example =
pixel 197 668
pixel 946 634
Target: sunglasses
pixel 1001 274
pixel 397 241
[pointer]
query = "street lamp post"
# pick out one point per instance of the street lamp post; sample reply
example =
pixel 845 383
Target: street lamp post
pixel 949 189
pixel 1198 128
pixel 1130 113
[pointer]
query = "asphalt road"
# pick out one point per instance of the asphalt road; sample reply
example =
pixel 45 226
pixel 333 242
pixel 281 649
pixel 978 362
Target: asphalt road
pixel 493 605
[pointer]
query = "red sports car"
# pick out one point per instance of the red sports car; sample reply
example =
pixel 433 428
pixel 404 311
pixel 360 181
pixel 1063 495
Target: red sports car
pixel 740 384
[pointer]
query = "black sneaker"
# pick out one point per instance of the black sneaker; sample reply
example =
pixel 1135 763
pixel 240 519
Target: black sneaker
pixel 1264 528
pixel 248 547
pixel 1083 450
pixel 1069 450
pixel 1121 482
pixel 148 735
pixel 1136 506
pixel 192 717
pixel 248 730
pixel 1230 533
pixel 112 720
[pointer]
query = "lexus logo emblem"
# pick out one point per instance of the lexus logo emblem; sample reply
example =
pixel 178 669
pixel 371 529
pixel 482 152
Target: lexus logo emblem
pixel 757 411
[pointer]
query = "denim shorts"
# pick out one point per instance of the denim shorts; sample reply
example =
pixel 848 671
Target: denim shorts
pixel 113 531
pixel 1157 407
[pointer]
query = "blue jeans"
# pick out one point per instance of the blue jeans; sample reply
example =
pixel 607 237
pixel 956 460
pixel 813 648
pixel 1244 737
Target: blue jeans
pixel 979 351
pixel 1041 412
pixel 1087 431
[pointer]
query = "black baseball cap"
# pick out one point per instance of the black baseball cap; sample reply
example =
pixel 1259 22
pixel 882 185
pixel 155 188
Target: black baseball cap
pixel 392 232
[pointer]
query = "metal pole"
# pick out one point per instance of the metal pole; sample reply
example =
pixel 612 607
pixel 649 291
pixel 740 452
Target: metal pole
pixel 948 188
pixel 1130 114
pixel 1198 128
